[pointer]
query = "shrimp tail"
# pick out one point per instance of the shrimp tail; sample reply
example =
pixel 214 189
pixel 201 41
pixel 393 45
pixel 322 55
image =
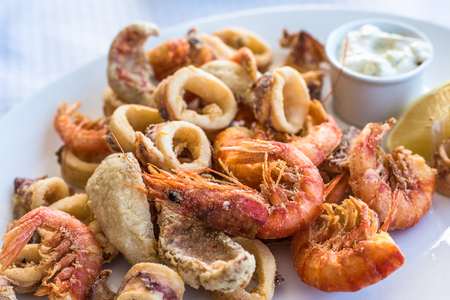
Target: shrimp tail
pixel 377 132
pixel 16 239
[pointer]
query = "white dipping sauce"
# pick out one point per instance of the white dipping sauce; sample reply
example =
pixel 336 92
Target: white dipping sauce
pixel 371 51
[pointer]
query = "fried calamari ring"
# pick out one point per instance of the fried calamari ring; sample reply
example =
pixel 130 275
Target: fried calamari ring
pixel 281 100
pixel 147 281
pixel 32 193
pixel 77 206
pixel 202 255
pixel 129 70
pixel 6 289
pixel 343 251
pixel 220 49
pixel 124 123
pixel 108 250
pixel 265 274
pixel 75 169
pixel 220 109
pixel 26 274
pixel 111 102
pixel 80 133
pixel 121 210
pixel 144 281
pixel 237 38
pixel 440 160
pixel 238 74
pixel 165 144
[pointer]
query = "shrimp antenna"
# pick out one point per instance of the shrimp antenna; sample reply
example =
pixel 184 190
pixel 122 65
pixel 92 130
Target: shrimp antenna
pixel 142 174
pixel 225 168
pixel 233 180
pixel 142 189
pixel 332 184
pixel 341 70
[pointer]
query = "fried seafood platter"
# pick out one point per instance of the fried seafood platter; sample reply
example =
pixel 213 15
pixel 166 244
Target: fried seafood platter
pixel 238 183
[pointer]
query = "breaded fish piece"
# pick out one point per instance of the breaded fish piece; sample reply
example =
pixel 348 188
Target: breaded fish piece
pixel 123 211
pixel 202 255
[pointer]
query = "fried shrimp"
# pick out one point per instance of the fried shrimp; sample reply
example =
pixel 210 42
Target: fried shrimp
pixel 85 145
pixel 27 274
pixel 196 49
pixel 294 199
pixel 72 256
pixel 129 71
pixel 151 282
pixel 251 174
pixel 229 207
pixel 321 138
pixel 247 174
pixel 281 100
pixel 378 179
pixel 297 194
pixel 79 132
pixel 220 108
pixel 238 38
pixel 343 251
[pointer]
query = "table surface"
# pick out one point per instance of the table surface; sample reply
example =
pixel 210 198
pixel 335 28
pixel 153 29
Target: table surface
pixel 42 40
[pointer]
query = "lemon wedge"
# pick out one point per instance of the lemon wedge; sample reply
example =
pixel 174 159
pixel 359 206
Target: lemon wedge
pixel 424 123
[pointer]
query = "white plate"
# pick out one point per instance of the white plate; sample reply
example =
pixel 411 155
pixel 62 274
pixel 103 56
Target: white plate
pixel 29 144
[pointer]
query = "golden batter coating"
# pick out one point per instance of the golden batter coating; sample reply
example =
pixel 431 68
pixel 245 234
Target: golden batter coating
pixel 235 77
pixel 32 193
pixel 123 211
pixel 220 105
pixel 201 255
pixel 126 121
pixel 172 145
pixel 265 274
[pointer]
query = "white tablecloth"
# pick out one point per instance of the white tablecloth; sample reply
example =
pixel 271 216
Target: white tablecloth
pixel 41 40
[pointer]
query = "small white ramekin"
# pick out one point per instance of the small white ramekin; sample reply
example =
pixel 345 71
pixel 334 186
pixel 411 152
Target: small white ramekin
pixel 359 98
